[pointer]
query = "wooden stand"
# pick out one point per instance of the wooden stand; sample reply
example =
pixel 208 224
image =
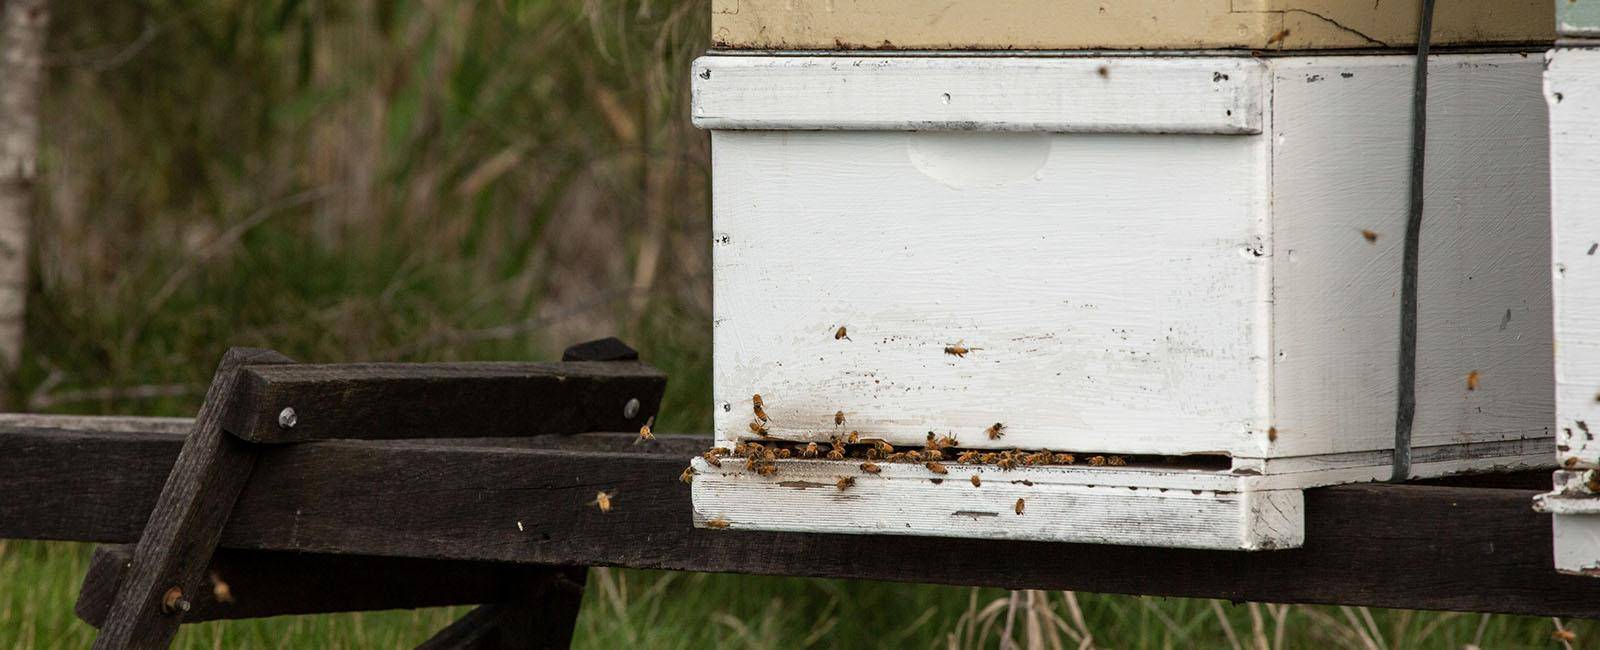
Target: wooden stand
pixel 259 398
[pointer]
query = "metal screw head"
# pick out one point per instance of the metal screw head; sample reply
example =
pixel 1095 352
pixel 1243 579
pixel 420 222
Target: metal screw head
pixel 173 601
pixel 287 418
pixel 631 409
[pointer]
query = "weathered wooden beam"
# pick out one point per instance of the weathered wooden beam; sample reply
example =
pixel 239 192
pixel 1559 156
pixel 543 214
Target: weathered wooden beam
pixel 442 400
pixel 256 584
pixel 1422 547
pixel 182 531
pixel 542 616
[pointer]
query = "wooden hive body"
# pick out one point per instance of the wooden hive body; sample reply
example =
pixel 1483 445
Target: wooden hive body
pixel 1572 91
pixel 1189 263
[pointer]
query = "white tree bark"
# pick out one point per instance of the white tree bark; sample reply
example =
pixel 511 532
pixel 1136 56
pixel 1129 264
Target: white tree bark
pixel 23 27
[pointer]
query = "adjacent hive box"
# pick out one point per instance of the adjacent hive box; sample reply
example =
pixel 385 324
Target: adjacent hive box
pixel 1187 267
pixel 1124 24
pixel 1572 89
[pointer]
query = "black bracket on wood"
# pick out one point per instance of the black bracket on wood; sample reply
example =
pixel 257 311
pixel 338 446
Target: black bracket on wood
pixel 138 597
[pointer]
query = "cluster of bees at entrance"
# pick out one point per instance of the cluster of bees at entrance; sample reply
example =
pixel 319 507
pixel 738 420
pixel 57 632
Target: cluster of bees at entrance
pixel 762 457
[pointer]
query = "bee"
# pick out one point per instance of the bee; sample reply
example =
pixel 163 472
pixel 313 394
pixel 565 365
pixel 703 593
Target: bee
pixel 1020 505
pixel 758 406
pixel 1472 380
pixel 783 453
pixel 1037 458
pixel 948 441
pixel 883 447
pixel 1064 459
pixel 870 467
pixel 1272 434
pixel 758 428
pixel 220 589
pixel 838 418
pixel 1097 461
pixel 644 431
pixel 896 457
pixel 957 350
pixel 845 482
pixel 837 453
pixel 914 456
pixel 1007 462
pixel 934 454
pixel 854 437
pixel 713 458
pixel 767 469
pixel 810 451
pixel 751 462
pixel 841 334
pixel 717 523
pixel 770 455
pixel 936 468
pixel 688 475
pixel 1371 237
pixel 976 481
pixel 988 458
pixel 1278 37
pixel 967 456
pixel 1116 461
pixel 603 499
pixel 996 431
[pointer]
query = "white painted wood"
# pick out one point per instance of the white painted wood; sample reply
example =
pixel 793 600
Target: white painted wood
pixel 1086 94
pixel 1340 166
pixel 1572 90
pixel 1573 87
pixel 1134 292
pixel 806 499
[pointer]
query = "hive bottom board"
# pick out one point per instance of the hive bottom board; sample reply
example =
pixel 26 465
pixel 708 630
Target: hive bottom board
pixel 1251 506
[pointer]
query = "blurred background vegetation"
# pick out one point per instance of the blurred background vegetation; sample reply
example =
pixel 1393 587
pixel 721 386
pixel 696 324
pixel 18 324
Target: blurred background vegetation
pixel 447 179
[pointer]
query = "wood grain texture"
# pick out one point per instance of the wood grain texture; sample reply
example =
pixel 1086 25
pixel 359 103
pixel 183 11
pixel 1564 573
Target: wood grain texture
pixel 439 400
pixel 1149 293
pixel 1571 79
pixel 177 541
pixel 1083 94
pixel 1380 545
pixel 1340 168
pixel 259 584
pixel 1130 24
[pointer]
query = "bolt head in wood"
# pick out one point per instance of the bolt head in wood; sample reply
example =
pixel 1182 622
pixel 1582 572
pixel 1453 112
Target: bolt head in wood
pixel 173 601
pixel 631 409
pixel 287 418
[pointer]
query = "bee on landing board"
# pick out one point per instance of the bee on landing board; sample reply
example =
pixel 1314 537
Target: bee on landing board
pixel 1097 461
pixel 933 454
pixel 810 451
pixel 853 438
pixel 841 334
pixel 996 431
pixel 845 482
pixel 603 499
pixel 936 468
pixel 1064 459
pixel 783 453
pixel 713 458
pixel 976 481
pixel 838 418
pixel 644 432
pixel 958 350
pixel 717 523
pixel 1019 506
pixel 837 453
pixel 870 467
pixel 1116 461
pixel 967 456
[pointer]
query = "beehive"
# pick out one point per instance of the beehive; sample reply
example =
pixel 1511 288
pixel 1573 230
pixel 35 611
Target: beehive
pixel 1572 79
pixel 1181 271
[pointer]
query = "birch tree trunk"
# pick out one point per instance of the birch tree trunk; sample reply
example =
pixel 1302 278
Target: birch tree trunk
pixel 23 26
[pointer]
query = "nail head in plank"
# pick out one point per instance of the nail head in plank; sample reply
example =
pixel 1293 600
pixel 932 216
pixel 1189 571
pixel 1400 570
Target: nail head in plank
pixel 443 400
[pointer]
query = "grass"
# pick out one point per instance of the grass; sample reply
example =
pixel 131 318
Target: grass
pixel 426 180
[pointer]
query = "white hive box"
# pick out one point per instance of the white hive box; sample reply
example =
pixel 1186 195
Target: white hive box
pixel 1191 263
pixel 1572 85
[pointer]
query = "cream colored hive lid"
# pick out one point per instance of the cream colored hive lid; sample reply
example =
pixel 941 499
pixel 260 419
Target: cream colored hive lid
pixel 1118 24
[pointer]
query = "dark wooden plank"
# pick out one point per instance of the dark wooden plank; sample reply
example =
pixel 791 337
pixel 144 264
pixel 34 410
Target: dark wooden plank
pixel 271 583
pixel 1421 547
pixel 444 400
pixel 182 530
pixel 610 348
pixel 543 616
